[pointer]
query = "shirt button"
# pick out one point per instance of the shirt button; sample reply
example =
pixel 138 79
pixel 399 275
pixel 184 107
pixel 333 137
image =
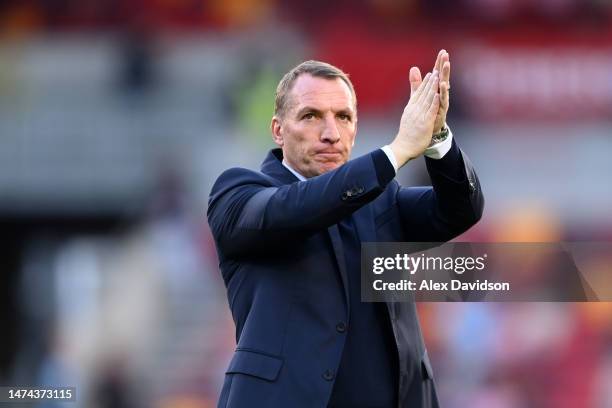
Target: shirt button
pixel 341 327
pixel 328 375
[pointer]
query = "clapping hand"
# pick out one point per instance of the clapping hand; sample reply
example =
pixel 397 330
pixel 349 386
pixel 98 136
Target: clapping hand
pixel 442 65
pixel 425 113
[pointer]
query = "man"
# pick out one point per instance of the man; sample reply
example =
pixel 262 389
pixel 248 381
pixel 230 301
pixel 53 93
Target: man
pixel 289 238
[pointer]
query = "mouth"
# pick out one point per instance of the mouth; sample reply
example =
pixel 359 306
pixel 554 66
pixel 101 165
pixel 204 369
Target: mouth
pixel 329 154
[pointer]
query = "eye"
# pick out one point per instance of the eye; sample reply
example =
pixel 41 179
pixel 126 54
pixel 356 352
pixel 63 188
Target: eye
pixel 344 117
pixel 308 116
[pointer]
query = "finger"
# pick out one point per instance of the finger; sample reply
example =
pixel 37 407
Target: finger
pixel 425 98
pixel 425 103
pixel 438 63
pixel 415 79
pixel 417 95
pixel 430 89
pixel 432 111
pixel 444 95
pixel 445 77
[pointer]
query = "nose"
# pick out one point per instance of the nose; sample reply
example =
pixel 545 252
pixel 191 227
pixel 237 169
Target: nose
pixel 330 133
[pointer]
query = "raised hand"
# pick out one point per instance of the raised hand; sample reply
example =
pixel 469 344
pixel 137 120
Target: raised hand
pixel 417 122
pixel 443 66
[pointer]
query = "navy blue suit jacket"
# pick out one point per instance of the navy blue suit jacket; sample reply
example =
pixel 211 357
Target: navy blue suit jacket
pixel 283 264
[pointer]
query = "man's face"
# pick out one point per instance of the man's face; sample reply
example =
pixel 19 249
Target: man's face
pixel 317 130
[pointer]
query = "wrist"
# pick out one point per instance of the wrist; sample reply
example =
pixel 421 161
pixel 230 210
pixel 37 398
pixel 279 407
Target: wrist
pixel 401 154
pixel 440 136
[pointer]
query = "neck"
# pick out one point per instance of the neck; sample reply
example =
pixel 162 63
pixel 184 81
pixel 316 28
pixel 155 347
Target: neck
pixel 292 170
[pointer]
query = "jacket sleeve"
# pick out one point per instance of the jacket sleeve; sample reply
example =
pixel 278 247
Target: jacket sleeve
pixel 247 212
pixel 450 207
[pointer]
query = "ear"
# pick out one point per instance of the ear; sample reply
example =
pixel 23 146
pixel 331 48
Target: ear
pixel 277 131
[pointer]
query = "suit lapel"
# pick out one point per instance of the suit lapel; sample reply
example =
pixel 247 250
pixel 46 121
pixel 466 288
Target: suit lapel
pixel 334 235
pixel 366 230
pixel 363 219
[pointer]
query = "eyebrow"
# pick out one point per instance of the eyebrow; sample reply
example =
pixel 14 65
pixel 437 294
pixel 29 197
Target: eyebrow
pixel 306 109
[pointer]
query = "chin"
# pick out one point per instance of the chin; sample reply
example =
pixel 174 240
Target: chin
pixel 328 167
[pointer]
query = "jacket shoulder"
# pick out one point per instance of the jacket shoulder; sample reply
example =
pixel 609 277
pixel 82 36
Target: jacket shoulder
pixel 236 177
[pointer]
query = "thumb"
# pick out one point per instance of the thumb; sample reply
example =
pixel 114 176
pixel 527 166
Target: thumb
pixel 415 79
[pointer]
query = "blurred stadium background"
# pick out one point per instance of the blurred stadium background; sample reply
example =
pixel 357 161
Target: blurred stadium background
pixel 116 117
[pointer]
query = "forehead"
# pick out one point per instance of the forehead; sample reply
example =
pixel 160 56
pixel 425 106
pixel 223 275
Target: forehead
pixel 323 93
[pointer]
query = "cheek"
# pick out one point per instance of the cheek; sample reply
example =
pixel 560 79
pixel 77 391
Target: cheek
pixel 349 149
pixel 298 136
pixel 350 139
pixel 301 149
